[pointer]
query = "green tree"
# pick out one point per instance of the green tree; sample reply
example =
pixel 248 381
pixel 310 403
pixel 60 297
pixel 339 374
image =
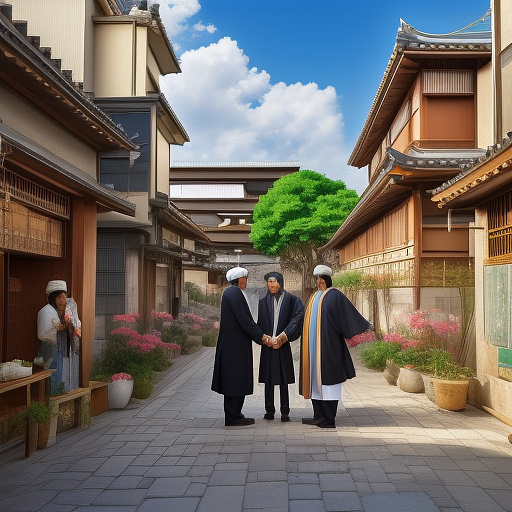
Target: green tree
pixel 298 214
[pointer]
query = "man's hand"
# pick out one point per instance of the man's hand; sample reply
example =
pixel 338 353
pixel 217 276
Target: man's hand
pixel 267 340
pixel 282 338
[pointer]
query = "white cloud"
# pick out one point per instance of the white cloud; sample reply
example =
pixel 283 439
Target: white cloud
pixel 234 113
pixel 208 28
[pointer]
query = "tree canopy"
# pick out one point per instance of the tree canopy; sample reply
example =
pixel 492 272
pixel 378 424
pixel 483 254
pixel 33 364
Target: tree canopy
pixel 298 214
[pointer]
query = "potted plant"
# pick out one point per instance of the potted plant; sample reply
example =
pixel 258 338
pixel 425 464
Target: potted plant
pixel 450 380
pixel 410 360
pixel 120 390
pixel 38 415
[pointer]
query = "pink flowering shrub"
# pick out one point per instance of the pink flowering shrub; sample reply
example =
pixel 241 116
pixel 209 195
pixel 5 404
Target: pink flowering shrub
pixel 127 351
pixel 364 337
pixel 121 376
pixel 130 318
pixel 430 329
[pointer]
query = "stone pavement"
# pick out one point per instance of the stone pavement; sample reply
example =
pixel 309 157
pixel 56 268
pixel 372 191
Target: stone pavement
pixel 391 452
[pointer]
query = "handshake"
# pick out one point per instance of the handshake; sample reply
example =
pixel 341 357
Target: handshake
pixel 274 342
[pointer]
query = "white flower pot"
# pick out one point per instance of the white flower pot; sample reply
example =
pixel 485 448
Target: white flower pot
pixel 119 393
pixel 410 381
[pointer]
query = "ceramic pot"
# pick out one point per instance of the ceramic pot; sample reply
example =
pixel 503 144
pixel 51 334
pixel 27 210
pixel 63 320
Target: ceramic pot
pixel 410 381
pixel 119 393
pixel 429 387
pixel 391 372
pixel 451 394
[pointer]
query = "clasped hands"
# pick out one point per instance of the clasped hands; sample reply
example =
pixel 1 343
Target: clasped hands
pixel 274 342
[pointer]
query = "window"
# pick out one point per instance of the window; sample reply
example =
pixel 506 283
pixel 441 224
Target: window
pixel 120 173
pixel 499 215
pixel 110 273
pixel 449 108
pixel 497 313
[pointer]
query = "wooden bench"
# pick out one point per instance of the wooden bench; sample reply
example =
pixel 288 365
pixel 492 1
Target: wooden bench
pixel 82 413
pixel 99 397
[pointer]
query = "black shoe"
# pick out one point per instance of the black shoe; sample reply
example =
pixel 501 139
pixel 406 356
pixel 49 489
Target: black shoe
pixel 326 424
pixel 268 416
pixel 285 417
pixel 240 422
pixel 310 421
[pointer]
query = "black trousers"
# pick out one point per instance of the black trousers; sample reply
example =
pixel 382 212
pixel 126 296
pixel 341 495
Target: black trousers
pixel 233 407
pixel 284 397
pixel 325 409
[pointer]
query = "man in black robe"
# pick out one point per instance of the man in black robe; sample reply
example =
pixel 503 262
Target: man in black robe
pixel 281 314
pixel 233 368
pixel 326 362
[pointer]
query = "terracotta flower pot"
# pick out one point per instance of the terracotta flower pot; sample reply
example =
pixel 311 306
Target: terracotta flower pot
pixel 410 381
pixel 119 393
pixel 391 372
pixel 43 434
pixel 451 394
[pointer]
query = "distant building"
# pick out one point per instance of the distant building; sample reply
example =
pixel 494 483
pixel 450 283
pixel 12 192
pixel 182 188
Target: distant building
pixel 220 197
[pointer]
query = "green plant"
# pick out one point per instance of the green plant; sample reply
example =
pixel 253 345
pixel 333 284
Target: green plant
pixel 411 356
pixel 174 334
pixel 441 364
pixel 210 339
pixel 375 354
pixel 38 412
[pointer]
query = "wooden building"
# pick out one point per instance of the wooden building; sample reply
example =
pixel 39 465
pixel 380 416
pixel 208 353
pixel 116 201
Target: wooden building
pixel 486 188
pixel 51 139
pixel 420 131
pixel 118 52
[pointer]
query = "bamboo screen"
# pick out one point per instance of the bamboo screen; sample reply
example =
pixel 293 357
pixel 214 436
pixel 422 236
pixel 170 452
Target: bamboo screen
pixel 23 223
pixel 499 215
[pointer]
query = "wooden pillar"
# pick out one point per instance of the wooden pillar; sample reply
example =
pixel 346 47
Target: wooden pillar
pixel 83 282
pixel 418 247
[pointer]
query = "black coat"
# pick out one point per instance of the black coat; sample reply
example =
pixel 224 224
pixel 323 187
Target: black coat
pixel 340 321
pixel 276 366
pixel 233 368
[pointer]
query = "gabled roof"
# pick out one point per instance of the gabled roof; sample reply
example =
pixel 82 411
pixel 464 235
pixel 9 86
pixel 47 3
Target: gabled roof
pixel 412 47
pixel 393 184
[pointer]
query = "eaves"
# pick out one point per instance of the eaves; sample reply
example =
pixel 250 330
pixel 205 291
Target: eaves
pixel 41 161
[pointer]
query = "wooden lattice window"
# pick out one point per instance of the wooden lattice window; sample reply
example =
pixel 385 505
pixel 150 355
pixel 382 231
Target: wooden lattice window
pixel 499 215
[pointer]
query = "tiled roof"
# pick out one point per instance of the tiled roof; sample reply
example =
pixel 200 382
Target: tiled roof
pixel 494 161
pixel 403 67
pixel 476 35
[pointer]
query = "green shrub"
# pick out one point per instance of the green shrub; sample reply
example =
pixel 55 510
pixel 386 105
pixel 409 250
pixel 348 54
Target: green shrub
pixel 411 356
pixel 442 365
pixel 38 412
pixel 210 338
pixel 143 384
pixel 375 354
pixel 174 334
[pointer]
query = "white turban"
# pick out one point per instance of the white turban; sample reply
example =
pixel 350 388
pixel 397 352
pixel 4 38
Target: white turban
pixel 322 270
pixel 235 273
pixel 56 286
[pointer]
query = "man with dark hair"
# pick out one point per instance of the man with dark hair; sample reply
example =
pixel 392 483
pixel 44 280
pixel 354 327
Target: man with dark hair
pixel 233 368
pixel 281 314
pixel 326 362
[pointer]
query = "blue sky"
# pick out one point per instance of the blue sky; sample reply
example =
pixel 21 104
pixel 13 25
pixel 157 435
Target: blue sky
pixel 288 80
